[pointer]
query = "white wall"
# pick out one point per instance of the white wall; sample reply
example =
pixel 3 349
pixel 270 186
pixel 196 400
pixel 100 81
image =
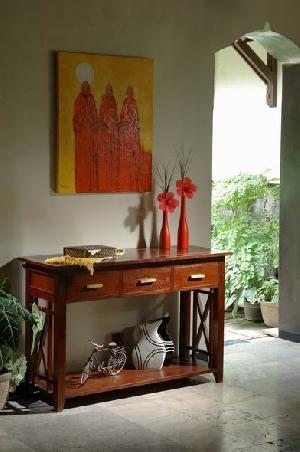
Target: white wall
pixel 34 219
pixel 246 132
pixel 182 37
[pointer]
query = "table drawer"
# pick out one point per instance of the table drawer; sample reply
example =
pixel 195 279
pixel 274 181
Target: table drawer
pixel 100 285
pixel 193 276
pixel 146 280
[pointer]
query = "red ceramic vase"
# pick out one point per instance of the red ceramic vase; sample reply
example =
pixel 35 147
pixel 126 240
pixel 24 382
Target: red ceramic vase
pixel 165 237
pixel 183 230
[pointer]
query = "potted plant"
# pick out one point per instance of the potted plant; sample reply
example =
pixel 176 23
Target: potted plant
pixel 252 309
pixel 13 365
pixel 245 220
pixel 267 296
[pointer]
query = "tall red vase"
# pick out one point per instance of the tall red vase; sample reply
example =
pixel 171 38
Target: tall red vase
pixel 183 230
pixel 165 237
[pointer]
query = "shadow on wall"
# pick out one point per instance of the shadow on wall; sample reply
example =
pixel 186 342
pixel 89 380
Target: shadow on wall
pixel 136 219
pixel 14 272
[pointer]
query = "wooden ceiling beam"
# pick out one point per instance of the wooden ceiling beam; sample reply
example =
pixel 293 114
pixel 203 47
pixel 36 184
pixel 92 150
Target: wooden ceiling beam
pixel 267 72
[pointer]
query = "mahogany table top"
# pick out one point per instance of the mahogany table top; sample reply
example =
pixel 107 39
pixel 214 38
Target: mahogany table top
pixel 143 255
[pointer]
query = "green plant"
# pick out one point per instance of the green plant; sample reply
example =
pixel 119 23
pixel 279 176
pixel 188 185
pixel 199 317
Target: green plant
pixel 245 220
pixel 12 313
pixel 268 292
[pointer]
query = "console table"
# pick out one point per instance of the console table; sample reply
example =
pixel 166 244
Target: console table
pixel 138 272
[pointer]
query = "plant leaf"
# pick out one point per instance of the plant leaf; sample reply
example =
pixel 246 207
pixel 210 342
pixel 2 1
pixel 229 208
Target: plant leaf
pixel 10 328
pixel 11 314
pixel 37 327
pixel 18 369
pixel 5 285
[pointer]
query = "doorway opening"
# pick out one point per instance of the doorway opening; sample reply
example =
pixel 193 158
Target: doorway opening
pixel 246 177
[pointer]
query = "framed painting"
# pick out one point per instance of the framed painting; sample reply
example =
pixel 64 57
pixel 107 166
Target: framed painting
pixel 104 123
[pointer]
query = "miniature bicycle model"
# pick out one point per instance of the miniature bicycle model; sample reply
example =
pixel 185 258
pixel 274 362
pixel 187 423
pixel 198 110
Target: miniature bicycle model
pixel 112 365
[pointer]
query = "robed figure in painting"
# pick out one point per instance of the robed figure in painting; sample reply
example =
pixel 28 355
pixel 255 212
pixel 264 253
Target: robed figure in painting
pixel 108 142
pixel 129 136
pixel 85 130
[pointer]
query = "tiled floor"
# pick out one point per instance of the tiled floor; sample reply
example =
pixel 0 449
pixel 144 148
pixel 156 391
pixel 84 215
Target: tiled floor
pixel 255 409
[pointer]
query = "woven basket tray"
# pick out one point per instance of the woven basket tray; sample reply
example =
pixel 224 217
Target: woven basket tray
pixel 91 251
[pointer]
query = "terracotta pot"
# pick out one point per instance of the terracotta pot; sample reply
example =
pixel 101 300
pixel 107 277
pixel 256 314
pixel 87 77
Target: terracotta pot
pixel 252 312
pixel 270 313
pixel 4 388
pixel 183 230
pixel 165 237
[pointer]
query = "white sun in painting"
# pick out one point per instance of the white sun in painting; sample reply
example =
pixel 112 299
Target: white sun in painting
pixel 84 72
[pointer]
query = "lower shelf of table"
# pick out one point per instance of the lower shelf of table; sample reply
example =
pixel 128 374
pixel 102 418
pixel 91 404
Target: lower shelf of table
pixel 98 383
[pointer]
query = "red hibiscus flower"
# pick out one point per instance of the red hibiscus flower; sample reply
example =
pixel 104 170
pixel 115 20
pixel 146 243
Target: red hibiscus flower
pixel 186 187
pixel 167 201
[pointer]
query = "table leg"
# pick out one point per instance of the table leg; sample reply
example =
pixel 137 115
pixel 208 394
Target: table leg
pixel 218 327
pixel 185 324
pixel 59 368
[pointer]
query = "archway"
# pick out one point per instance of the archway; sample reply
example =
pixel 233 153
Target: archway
pixel 287 54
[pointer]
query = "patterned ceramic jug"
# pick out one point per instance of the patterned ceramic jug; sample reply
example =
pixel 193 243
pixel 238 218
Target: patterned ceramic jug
pixel 150 351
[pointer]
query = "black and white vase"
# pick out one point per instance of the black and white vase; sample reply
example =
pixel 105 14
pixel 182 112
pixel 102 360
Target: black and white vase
pixel 169 344
pixel 150 351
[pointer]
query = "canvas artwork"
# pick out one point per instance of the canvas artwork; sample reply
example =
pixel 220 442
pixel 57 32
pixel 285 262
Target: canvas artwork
pixel 104 123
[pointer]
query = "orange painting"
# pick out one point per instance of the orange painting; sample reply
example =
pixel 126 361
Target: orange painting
pixel 104 123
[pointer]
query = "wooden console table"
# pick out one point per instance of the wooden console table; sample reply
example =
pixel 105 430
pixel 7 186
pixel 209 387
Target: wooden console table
pixel 138 272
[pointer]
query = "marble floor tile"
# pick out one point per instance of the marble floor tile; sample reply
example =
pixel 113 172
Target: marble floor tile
pixel 144 411
pixel 228 416
pixel 9 444
pixel 187 402
pixel 194 435
pixel 222 393
pixel 258 433
pixel 263 406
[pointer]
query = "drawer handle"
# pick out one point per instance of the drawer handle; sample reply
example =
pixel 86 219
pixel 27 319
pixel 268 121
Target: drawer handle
pixel 93 286
pixel 145 281
pixel 196 276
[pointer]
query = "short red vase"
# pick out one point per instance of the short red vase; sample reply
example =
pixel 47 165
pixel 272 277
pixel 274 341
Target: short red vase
pixel 183 230
pixel 165 237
